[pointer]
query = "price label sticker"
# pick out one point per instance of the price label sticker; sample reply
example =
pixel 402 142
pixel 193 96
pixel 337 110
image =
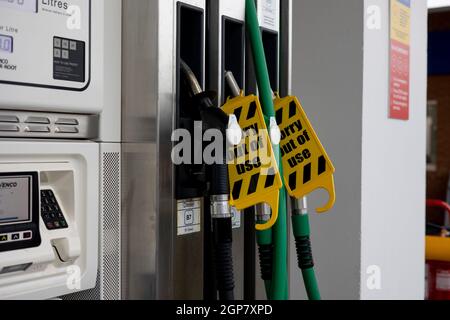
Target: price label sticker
pixel 188 216
pixel 306 165
pixel 236 220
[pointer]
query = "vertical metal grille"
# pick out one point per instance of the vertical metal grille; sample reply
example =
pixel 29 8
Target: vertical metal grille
pixel 111 227
pixel 109 278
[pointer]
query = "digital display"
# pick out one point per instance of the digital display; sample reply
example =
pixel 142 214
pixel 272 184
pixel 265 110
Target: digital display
pixel 6 43
pixel 23 5
pixel 15 200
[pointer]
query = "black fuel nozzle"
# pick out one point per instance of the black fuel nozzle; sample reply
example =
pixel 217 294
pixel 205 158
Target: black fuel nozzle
pixel 219 188
pixel 212 118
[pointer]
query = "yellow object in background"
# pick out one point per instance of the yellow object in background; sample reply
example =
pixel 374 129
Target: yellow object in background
pixel 253 170
pixel 438 249
pixel 306 165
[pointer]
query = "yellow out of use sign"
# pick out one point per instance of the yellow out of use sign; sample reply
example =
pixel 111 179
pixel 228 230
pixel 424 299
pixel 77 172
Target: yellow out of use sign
pixel 253 170
pixel 306 165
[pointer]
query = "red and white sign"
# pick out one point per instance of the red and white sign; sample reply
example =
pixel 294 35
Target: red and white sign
pixel 400 60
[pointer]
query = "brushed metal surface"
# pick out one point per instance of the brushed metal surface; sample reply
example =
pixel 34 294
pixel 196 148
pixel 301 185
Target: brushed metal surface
pixel 286 47
pixel 286 81
pixel 160 265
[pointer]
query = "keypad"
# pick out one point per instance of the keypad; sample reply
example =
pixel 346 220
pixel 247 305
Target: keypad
pixel 69 59
pixel 51 211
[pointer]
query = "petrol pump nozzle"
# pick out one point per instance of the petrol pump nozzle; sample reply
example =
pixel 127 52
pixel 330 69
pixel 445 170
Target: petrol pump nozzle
pixel 191 79
pixel 232 84
pixel 219 189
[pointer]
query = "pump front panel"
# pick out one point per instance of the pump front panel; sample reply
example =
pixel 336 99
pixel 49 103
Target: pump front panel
pixel 51 55
pixel 45 43
pixel 49 204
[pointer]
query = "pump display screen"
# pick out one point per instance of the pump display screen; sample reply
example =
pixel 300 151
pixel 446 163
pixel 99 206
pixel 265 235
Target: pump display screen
pixel 6 43
pixel 23 5
pixel 15 199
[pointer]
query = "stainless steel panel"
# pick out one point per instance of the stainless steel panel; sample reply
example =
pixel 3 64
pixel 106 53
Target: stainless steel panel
pixel 286 47
pixel 286 78
pixel 139 134
pixel 160 265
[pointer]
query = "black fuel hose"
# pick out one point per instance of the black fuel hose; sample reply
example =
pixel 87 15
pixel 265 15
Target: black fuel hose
pixel 221 215
pixel 219 191
pixel 223 257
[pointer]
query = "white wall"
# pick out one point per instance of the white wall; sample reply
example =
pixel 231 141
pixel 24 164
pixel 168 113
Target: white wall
pixel 394 166
pixel 340 72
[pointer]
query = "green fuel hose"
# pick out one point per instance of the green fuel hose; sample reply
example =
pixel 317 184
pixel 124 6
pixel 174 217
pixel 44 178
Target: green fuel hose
pixel 302 234
pixel 279 283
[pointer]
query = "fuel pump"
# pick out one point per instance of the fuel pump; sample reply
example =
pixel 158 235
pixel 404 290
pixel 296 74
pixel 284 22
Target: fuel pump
pixel 60 116
pixel 209 36
pixel 55 180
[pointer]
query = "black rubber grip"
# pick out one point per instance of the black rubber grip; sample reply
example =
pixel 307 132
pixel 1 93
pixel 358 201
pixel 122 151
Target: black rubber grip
pixel 223 258
pixel 265 261
pixel 219 180
pixel 304 253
